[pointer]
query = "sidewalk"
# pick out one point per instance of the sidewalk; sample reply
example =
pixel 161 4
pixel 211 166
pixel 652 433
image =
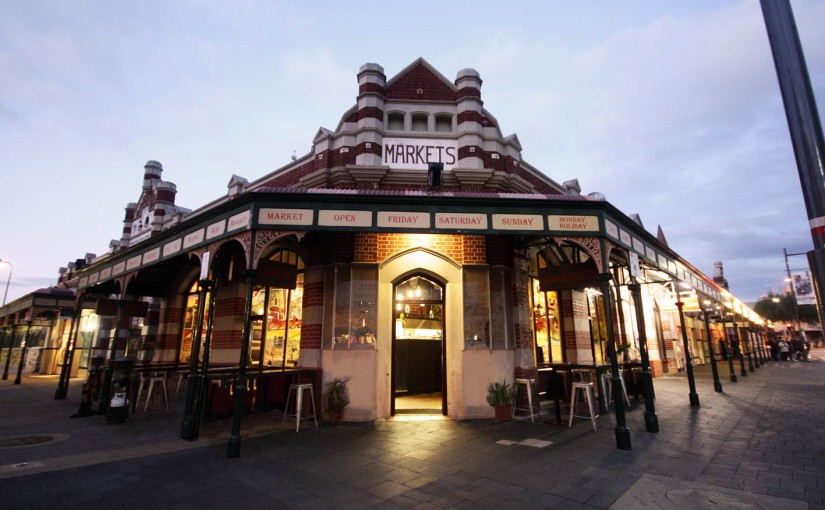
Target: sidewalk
pixel 759 444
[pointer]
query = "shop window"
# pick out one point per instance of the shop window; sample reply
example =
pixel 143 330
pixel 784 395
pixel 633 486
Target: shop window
pixel 189 321
pixel 356 296
pixel 420 122
pixel 476 308
pixel 278 316
pixel 501 306
pixel 87 333
pixel 545 317
pixel 444 123
pixel 395 121
pixel 598 326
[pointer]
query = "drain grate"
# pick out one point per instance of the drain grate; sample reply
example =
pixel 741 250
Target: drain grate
pixel 24 441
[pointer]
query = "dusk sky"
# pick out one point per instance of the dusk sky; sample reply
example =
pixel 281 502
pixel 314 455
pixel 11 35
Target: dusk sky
pixel 669 108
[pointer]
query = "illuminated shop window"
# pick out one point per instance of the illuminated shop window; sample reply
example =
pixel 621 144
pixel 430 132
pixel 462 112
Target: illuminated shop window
pixel 87 333
pixel 278 315
pixel 189 318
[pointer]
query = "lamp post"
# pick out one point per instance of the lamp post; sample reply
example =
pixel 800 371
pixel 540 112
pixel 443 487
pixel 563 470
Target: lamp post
pixel 717 385
pixel 693 396
pixel 8 280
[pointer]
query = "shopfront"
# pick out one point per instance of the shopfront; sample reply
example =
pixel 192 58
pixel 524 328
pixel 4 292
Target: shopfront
pixel 412 252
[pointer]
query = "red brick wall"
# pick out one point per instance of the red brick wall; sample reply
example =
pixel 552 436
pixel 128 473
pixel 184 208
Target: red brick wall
pixel 226 339
pixel 420 77
pixel 371 247
pixel 311 336
pixel 229 307
pixel 313 294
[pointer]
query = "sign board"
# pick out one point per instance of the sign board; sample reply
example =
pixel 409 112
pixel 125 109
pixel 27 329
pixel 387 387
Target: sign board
pixel 635 270
pixel 418 153
pixel 803 288
pixel 569 277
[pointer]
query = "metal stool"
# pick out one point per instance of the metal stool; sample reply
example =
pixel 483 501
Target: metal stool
pixel 587 392
pixel 607 387
pixel 154 379
pixel 298 390
pixel 529 386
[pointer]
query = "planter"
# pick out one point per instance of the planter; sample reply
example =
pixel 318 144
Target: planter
pixel 504 413
pixel 335 416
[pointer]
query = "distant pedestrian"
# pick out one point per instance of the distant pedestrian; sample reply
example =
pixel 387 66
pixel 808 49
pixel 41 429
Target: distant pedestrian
pixel 784 350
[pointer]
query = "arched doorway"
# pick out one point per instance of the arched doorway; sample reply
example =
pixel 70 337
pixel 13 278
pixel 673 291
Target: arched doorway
pixel 418 346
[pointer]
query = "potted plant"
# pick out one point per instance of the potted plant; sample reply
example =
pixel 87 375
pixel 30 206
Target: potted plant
pixel 335 399
pixel 500 396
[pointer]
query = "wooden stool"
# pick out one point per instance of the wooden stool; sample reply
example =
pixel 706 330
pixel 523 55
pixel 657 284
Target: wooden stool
pixel 298 390
pixel 154 379
pixel 529 386
pixel 587 392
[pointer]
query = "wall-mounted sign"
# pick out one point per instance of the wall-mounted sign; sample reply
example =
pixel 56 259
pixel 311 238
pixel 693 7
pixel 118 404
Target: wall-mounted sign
pixel 151 255
pixel 193 238
pixel 403 219
pixel 335 218
pixel 285 216
pixel 461 221
pixel 172 247
pixel 575 223
pixel 417 153
pixel 518 222
pixel 240 220
pixel 215 229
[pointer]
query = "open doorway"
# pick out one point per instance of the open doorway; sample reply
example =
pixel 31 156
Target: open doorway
pixel 418 353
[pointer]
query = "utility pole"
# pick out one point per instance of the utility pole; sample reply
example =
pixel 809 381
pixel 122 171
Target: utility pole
pixel 805 128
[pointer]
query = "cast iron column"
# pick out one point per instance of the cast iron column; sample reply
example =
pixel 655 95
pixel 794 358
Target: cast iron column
pixel 233 446
pixel 622 432
pixel 744 371
pixel 207 347
pixel 9 334
pixel 717 385
pixel 694 398
pixel 187 426
pixel 651 420
pixel 65 370
pixel 108 373
pixel 723 316
pixel 23 345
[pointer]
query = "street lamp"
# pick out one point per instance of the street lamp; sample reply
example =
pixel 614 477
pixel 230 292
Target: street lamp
pixel 8 280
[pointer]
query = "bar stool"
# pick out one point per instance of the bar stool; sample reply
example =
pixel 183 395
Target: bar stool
pixel 529 386
pixel 154 379
pixel 607 386
pixel 586 390
pixel 298 390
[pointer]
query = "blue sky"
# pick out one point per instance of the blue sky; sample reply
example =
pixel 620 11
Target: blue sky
pixel 671 109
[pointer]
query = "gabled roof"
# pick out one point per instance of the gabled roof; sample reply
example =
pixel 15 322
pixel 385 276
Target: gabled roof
pixel 420 76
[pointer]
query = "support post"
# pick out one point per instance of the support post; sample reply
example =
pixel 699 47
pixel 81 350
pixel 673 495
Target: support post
pixel 651 420
pixel 622 432
pixel 188 428
pixel 233 446
pixel 23 346
pixel 692 396
pixel 68 355
pixel 108 373
pixel 10 336
pixel 717 384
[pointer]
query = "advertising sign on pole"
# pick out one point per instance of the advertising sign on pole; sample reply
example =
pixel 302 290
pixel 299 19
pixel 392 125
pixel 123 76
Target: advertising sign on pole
pixel 803 288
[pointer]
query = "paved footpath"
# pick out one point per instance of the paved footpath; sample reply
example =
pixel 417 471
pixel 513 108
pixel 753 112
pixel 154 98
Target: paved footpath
pixel 759 444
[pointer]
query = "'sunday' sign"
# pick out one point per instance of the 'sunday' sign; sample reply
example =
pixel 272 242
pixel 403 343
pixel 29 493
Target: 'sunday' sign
pixel 417 153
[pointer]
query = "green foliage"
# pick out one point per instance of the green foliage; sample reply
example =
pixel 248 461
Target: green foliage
pixel 336 395
pixel 500 394
pixel 783 311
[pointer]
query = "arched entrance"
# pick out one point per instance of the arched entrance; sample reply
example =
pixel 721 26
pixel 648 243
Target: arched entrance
pixel 418 346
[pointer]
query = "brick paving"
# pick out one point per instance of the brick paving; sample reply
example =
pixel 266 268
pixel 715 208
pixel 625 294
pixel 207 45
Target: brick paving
pixel 759 444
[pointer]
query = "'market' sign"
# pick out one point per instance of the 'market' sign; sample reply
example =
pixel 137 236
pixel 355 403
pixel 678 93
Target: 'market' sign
pixel 417 153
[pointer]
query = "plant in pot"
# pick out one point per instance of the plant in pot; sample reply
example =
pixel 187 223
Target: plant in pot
pixel 335 399
pixel 501 396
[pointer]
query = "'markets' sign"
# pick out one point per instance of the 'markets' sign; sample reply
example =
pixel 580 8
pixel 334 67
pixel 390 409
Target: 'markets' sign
pixel 416 153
